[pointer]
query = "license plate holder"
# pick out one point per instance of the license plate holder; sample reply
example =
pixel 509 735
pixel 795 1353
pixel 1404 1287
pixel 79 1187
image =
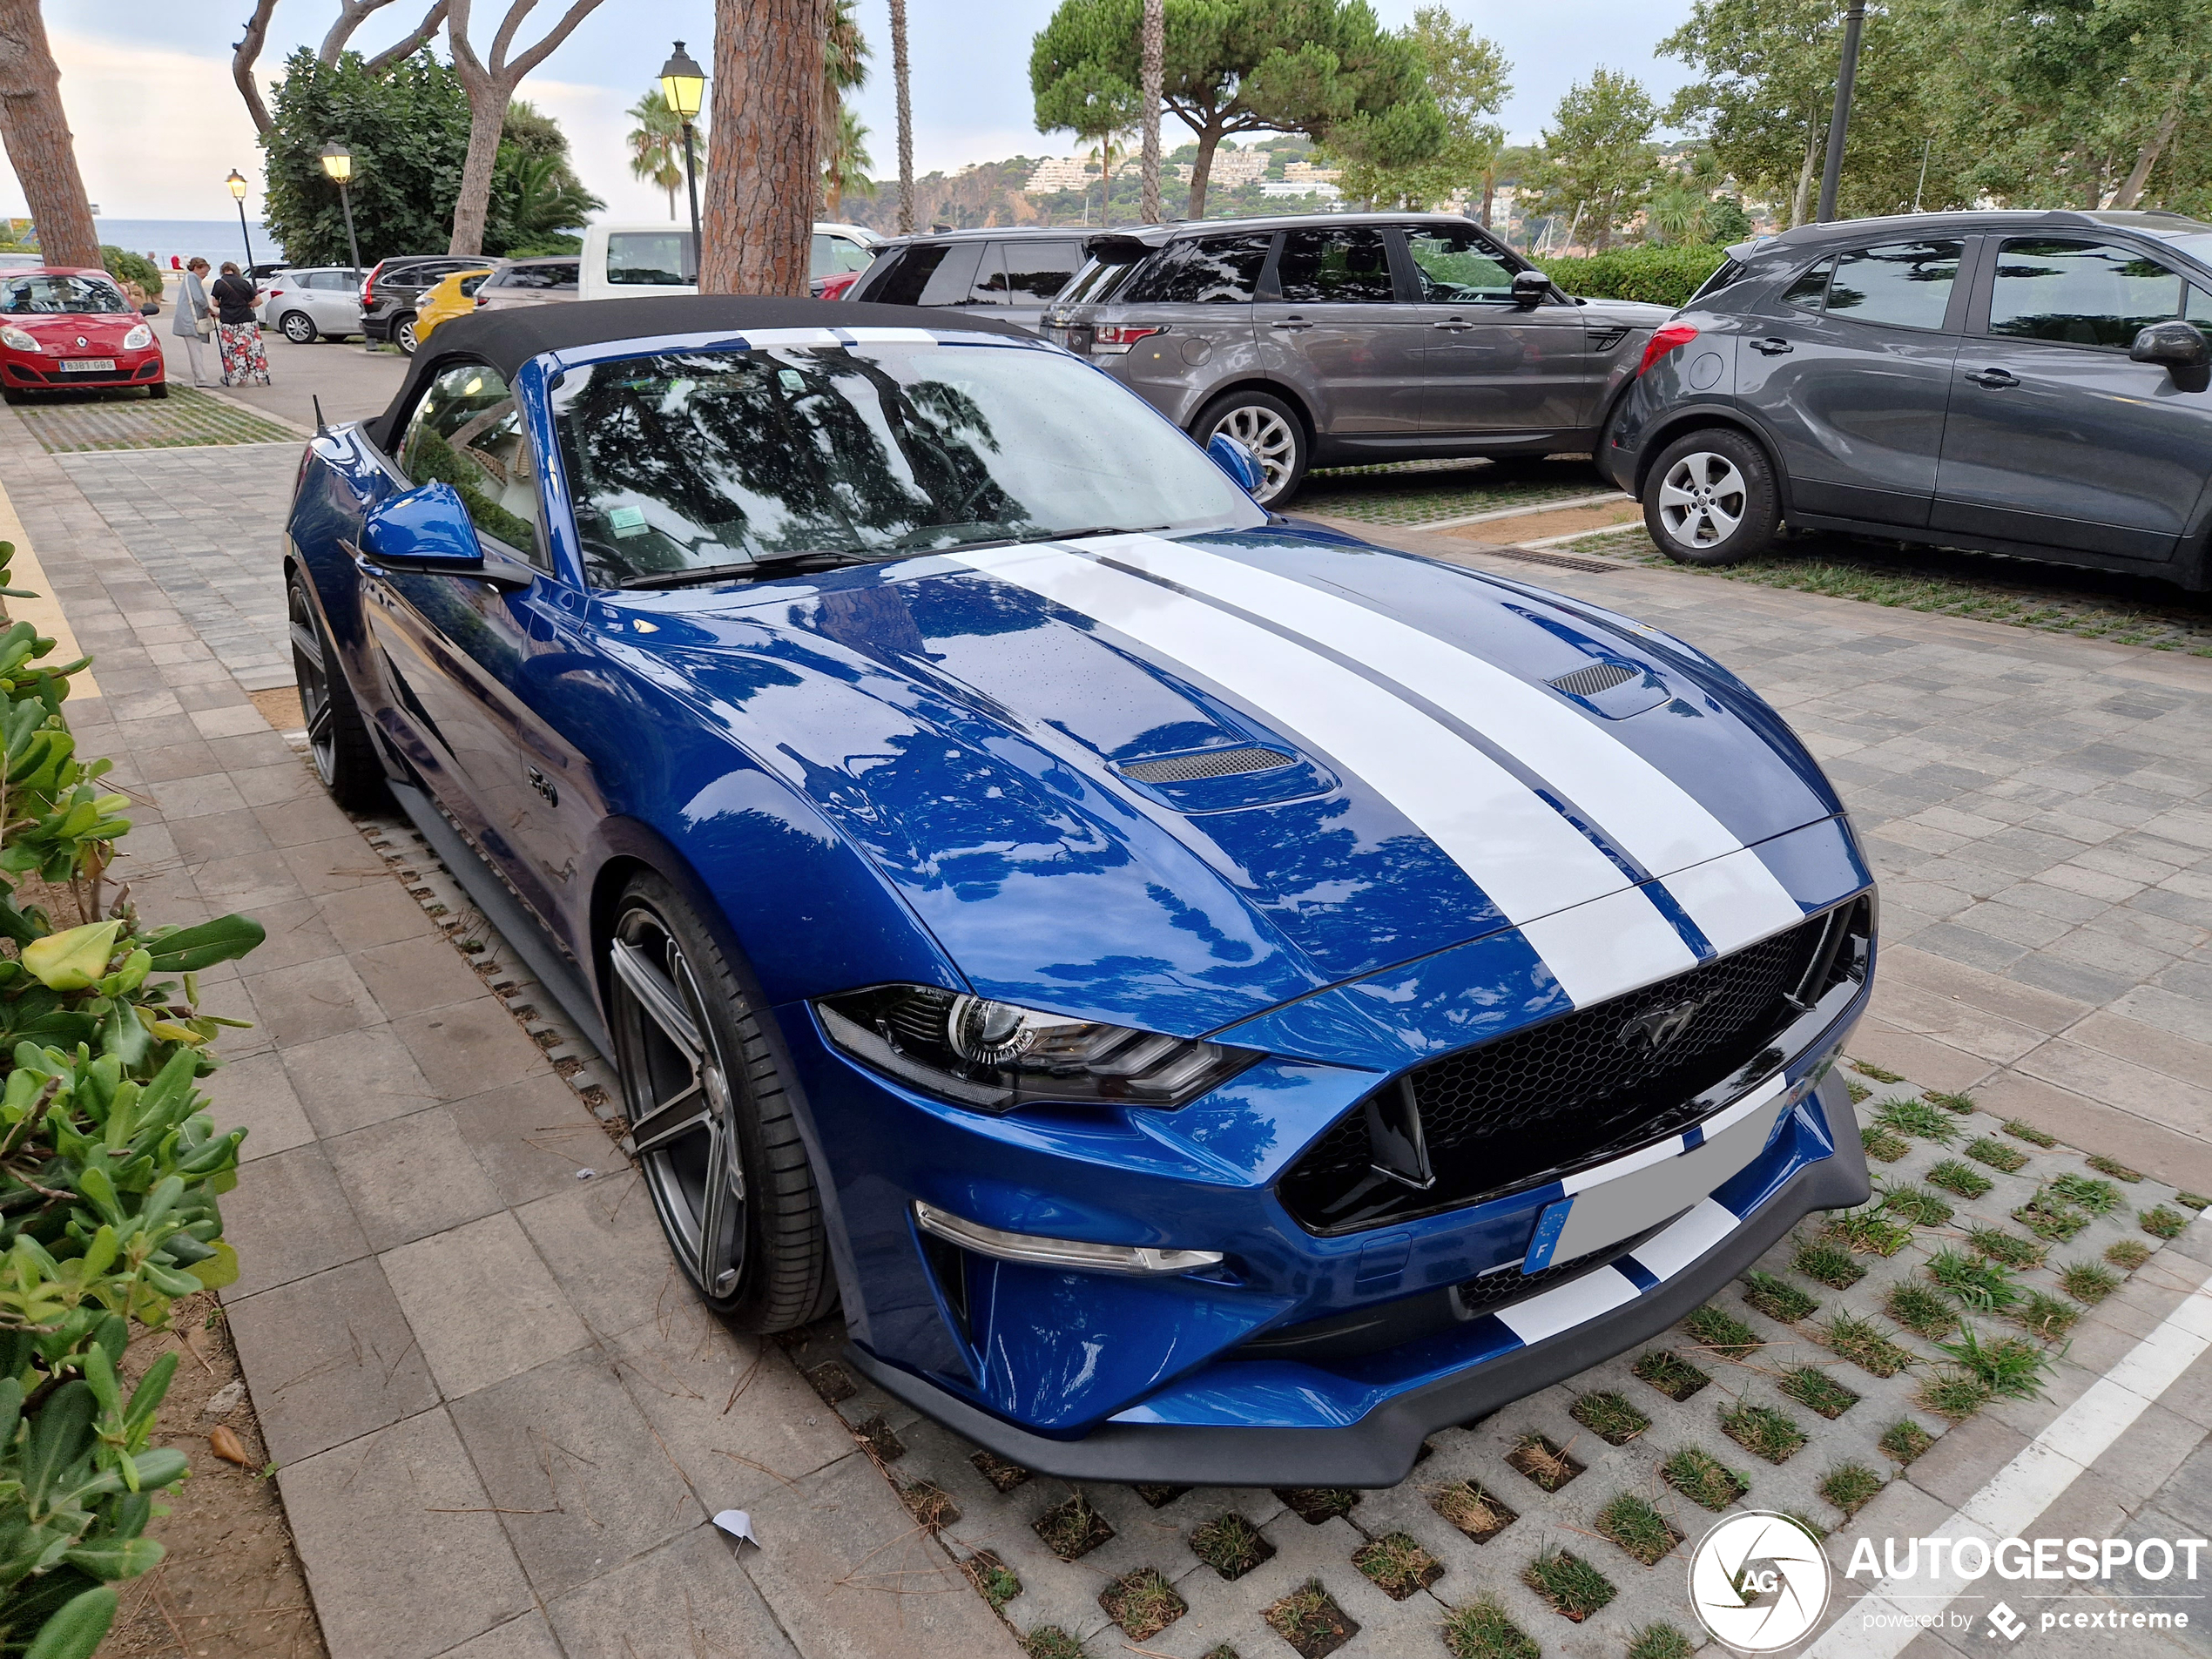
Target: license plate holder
pixel 88 365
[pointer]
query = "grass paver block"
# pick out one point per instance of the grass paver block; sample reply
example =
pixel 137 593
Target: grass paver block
pixel 1849 1486
pixel 1722 1333
pixel 2088 1283
pixel 1879 1143
pixel 1072 1529
pixel 1880 1075
pixel 2029 1133
pixel 1777 1298
pixel 1954 1177
pixel 1659 1641
pixel 1763 1431
pixel 2114 1168
pixel 2128 1253
pixel 1953 1393
pixel 2164 1222
pixel 1314 1505
pixel 2008 1247
pixel 1861 1342
pixel 1704 1478
pixel 1904 1439
pixel 2047 1316
pixel 993 1580
pixel 1671 1374
pixel 1918 1206
pixel 1231 1544
pixel 1482 1630
pixel 1546 1464
pixel 1962 1105
pixel 1974 1281
pixel 1609 1417
pixel 929 1503
pixel 1917 1118
pixel 1996 1155
pixel 1921 1311
pixel 1867 1232
pixel 1830 1265
pixel 1311 1621
pixel 1397 1565
pixel 1158 1497
pixel 1473 1509
pixel 1630 1521
pixel 2087 1192
pixel 1143 1603
pixel 2012 1367
pixel 1002 1475
pixel 1051 1642
pixel 1570 1586
pixel 2048 1218
pixel 1811 1386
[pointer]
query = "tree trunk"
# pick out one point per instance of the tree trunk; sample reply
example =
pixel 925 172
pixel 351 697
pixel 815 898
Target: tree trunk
pixel 2131 188
pixel 35 130
pixel 244 52
pixel 1804 181
pixel 1152 56
pixel 906 117
pixel 488 101
pixel 1210 137
pixel 1489 193
pixel 411 43
pixel 764 151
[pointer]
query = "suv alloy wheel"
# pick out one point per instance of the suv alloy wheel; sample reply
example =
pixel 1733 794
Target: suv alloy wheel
pixel 403 332
pixel 1269 429
pixel 1710 499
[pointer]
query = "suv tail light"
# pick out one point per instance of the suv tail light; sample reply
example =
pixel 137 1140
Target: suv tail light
pixel 1118 336
pixel 1671 337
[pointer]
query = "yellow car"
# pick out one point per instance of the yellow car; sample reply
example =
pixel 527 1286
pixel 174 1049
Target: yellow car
pixel 453 296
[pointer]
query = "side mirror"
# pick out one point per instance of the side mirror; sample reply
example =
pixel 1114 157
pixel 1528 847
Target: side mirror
pixel 2182 347
pixel 1530 289
pixel 427 529
pixel 1235 457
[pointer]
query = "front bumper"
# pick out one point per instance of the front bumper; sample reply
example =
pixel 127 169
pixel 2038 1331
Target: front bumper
pixel 1379 1449
pixel 44 372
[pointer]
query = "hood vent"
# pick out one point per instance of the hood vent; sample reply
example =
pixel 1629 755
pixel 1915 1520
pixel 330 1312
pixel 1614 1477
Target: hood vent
pixel 1598 677
pixel 1210 763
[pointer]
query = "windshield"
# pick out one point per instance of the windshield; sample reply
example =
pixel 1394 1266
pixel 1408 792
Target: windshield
pixel 55 295
pixel 702 460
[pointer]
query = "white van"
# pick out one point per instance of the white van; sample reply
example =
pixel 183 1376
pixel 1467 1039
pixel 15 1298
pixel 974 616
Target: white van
pixel 629 260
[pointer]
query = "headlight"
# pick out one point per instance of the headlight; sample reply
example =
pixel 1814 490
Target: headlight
pixel 15 340
pixel 138 339
pixel 995 1056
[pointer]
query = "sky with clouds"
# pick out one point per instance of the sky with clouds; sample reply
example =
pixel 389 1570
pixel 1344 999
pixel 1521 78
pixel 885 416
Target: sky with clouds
pixel 158 123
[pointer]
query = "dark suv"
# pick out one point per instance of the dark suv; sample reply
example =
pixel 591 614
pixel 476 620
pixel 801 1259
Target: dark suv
pixel 2030 383
pixel 1347 338
pixel 1010 274
pixel 395 286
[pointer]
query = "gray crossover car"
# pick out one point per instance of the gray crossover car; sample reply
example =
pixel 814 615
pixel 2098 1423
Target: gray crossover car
pixel 1009 274
pixel 1341 339
pixel 2027 383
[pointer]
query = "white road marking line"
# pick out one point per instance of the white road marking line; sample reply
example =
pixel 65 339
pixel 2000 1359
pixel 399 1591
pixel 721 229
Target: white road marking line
pixel 1525 512
pixel 2033 1480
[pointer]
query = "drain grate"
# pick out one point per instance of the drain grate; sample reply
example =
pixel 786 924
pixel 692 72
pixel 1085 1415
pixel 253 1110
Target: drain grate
pixel 1208 763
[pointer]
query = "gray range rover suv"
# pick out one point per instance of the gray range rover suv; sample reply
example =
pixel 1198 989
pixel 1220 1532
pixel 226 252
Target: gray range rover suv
pixel 1343 339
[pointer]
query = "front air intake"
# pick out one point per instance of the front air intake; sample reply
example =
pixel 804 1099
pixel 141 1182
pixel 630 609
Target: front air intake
pixel 1207 763
pixel 1588 682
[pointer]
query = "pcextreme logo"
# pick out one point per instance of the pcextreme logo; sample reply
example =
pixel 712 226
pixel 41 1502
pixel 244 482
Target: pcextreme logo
pixel 1759 1582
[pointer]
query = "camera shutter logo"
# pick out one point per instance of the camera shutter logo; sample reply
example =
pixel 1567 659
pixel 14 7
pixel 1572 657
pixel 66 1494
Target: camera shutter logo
pixel 1759 1582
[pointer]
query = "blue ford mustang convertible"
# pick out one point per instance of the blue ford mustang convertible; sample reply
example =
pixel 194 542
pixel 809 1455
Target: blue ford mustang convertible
pixel 1213 1000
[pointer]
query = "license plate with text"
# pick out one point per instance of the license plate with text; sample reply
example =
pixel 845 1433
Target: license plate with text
pixel 88 365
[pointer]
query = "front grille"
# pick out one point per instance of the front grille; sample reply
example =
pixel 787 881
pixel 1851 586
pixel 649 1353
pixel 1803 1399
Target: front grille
pixel 1210 763
pixel 1523 1107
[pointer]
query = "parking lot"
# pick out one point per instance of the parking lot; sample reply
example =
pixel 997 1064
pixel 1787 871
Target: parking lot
pixel 2033 793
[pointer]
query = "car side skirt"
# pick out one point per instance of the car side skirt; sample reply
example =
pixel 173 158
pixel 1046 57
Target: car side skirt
pixel 2184 570
pixel 1379 1450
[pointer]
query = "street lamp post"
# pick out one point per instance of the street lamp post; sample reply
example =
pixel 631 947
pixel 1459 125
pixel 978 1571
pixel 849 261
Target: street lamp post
pixel 237 182
pixel 1831 173
pixel 338 161
pixel 683 83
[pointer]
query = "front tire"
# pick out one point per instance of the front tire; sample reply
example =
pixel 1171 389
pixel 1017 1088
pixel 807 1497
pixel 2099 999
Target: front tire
pixel 1711 499
pixel 298 328
pixel 1267 426
pixel 159 388
pixel 710 1119
pixel 403 333
pixel 338 739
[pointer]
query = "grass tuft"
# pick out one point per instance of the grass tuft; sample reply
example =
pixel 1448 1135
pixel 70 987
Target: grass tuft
pixel 1810 1385
pixel 1954 1177
pixel 1546 1464
pixel 1904 1439
pixel 1880 1075
pixel 1777 1298
pixel 1830 1265
pixel 1996 1155
pixel 1142 1602
pixel 2088 1283
pixel 1659 1641
pixel 1917 1205
pixel 1879 1143
pixel 1955 1394
pixel 1867 1231
pixel 1704 1478
pixel 1471 1508
pixel 2047 1316
pixel 2087 1192
pixel 1609 1417
pixel 1482 1631
pixel 1920 1310
pixel 1671 1374
pixel 1917 1118
pixel 1962 1105
pixel 1631 1522
pixel 993 1578
pixel 2196 1201
pixel 1072 1529
pixel 1856 1090
pixel 1051 1642
pixel 1314 1505
pixel 1763 1431
pixel 1722 1333
pixel 1862 1342
pixel 2128 1253
pixel 929 1504
pixel 1231 1544
pixel 1983 1286
pixel 2164 1222
pixel 2029 1133
pixel 2008 1247
pixel 1309 1621
pixel 2011 1366
pixel 2048 1218
pixel 1570 1586
pixel 2114 1168
pixel 1398 1565
pixel 1849 1486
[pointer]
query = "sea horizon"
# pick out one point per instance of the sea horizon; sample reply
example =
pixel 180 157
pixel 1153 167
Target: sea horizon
pixel 213 239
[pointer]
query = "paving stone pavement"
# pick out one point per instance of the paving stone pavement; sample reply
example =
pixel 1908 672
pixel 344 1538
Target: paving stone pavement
pixel 204 525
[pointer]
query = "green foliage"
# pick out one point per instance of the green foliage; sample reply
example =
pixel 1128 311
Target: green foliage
pixel 1326 68
pixel 1918 1118
pixel 1659 1641
pixel 1904 1439
pixel 1704 1478
pixel 1832 1267
pixel 2010 1367
pixel 126 266
pixel 1777 1298
pixel 1609 1417
pixel 2025 1131
pixel 2116 1170
pixel 2008 1247
pixel 535 194
pixel 1599 164
pixel 1772 1434
pixel 1917 1205
pixel 1466 75
pixel 1722 1333
pixel 110 1168
pixel 1659 276
pixel 1986 1286
pixel 1483 1629
pixel 1862 1342
pixel 1920 1310
pixel 2089 1283
pixel 1810 1385
pixel 1569 1584
pixel 2129 1254
pixel 2162 1221
pixel 1954 1177
pixel 1632 1522
pixel 1849 1486
pixel 1996 1155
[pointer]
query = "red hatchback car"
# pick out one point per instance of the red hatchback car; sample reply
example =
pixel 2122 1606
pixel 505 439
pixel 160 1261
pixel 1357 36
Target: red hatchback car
pixel 64 326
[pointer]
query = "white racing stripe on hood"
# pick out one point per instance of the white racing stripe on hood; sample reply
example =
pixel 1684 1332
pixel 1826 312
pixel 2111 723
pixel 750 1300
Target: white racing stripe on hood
pixel 1642 810
pixel 1529 861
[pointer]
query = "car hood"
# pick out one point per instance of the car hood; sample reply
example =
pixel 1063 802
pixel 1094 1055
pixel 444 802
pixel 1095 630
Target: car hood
pixel 61 332
pixel 1176 782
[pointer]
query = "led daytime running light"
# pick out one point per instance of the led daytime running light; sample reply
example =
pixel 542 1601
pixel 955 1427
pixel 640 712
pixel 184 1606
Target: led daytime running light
pixel 1131 1260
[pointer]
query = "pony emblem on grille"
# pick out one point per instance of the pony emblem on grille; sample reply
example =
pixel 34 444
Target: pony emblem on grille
pixel 1661 1026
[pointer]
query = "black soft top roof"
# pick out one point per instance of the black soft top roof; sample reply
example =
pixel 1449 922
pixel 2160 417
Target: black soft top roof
pixel 507 338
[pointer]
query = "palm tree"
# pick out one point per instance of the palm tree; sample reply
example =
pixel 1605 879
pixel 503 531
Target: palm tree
pixel 1152 63
pixel 906 117
pixel 657 145
pixel 844 69
pixel 846 162
pixel 1112 146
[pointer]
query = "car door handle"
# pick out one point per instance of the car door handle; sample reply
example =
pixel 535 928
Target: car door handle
pixel 1771 346
pixel 1290 323
pixel 1995 379
pixel 1456 325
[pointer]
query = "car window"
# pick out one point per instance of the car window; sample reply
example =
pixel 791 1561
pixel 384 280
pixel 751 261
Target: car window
pixel 1458 267
pixel 668 258
pixel 955 282
pixel 1810 290
pixel 2197 308
pixel 2080 292
pixel 59 296
pixel 327 279
pixel 1905 285
pixel 1346 265
pixel 1037 269
pixel 1731 272
pixel 987 286
pixel 1100 281
pixel 1204 270
pixel 468 432
pixel 470 284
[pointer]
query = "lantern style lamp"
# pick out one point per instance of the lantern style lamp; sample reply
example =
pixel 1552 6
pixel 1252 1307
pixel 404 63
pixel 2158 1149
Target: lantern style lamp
pixel 238 187
pixel 683 83
pixel 338 162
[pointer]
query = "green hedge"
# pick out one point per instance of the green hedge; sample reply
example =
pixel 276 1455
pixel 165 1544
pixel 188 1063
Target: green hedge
pixel 126 266
pixel 1663 276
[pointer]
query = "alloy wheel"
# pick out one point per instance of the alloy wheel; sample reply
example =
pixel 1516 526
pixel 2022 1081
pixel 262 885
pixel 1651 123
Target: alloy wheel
pixel 312 670
pixel 1701 499
pixel 1270 438
pixel 677 1095
pixel 298 328
pixel 403 336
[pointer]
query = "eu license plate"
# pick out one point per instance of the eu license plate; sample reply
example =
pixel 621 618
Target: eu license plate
pixel 88 365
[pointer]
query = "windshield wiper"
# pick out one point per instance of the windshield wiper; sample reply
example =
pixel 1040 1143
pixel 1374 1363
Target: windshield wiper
pixel 810 558
pixel 1056 536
